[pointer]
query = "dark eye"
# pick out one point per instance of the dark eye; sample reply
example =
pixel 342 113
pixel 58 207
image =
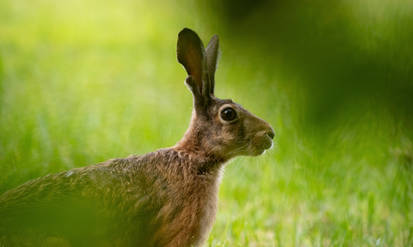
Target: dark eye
pixel 228 114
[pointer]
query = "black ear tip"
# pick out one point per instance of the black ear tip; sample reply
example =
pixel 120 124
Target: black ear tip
pixel 186 29
pixel 188 38
pixel 185 32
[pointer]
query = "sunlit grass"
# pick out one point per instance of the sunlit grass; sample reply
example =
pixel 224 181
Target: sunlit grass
pixel 85 81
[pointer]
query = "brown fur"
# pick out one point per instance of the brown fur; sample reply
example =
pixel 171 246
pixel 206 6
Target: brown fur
pixel 164 198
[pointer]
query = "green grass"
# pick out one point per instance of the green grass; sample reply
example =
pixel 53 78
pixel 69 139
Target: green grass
pixel 85 81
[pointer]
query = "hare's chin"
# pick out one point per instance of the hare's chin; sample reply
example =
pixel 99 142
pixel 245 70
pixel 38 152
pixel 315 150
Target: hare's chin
pixel 258 151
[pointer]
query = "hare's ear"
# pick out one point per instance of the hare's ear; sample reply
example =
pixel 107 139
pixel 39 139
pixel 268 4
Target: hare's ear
pixel 212 60
pixel 191 54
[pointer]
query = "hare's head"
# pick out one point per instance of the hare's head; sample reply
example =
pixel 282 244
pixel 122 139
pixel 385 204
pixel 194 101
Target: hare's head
pixel 219 127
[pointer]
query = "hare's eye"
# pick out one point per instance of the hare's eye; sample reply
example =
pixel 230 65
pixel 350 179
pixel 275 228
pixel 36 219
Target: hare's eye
pixel 228 114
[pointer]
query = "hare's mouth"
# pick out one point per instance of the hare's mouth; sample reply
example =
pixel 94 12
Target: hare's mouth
pixel 260 143
pixel 268 142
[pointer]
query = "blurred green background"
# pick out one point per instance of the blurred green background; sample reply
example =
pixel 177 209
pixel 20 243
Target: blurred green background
pixel 85 81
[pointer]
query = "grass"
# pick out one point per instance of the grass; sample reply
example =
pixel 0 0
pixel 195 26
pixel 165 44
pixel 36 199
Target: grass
pixel 85 81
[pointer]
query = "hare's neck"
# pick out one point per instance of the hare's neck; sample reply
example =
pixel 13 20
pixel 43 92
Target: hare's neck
pixel 195 144
pixel 192 145
pixel 192 148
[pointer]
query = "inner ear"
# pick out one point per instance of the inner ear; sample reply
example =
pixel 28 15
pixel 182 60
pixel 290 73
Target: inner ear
pixel 212 52
pixel 191 54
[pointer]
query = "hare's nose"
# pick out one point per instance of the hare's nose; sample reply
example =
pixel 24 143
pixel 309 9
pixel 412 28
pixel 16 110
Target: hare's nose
pixel 270 133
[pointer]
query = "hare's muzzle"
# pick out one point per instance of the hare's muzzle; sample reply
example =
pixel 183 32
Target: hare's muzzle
pixel 270 133
pixel 267 136
pixel 262 140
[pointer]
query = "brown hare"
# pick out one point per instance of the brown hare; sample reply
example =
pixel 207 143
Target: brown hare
pixel 164 198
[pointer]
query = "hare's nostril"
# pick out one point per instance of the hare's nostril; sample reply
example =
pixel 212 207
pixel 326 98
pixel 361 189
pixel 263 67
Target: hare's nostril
pixel 271 134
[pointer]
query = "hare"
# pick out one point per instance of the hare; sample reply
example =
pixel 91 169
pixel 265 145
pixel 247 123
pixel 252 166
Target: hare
pixel 164 198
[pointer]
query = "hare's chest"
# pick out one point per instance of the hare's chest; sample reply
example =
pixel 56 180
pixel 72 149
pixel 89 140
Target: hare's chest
pixel 207 216
pixel 207 203
pixel 189 219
